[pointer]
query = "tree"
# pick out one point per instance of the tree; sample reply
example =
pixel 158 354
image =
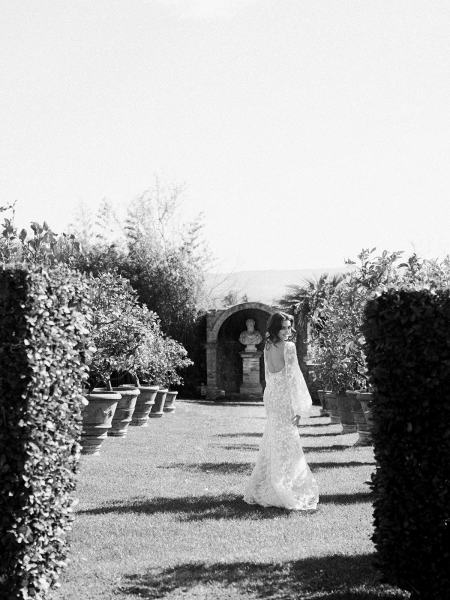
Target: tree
pixel 232 298
pixel 163 257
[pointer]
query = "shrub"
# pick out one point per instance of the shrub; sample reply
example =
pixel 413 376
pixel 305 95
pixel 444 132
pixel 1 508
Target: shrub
pixel 117 330
pixel 44 318
pixel 42 247
pixel 408 357
pixel 338 339
pixel 128 337
pixel 163 258
pixel 159 358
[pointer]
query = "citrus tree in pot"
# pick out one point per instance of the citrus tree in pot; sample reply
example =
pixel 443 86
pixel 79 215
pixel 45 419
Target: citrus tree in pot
pixel 147 366
pixel 331 364
pixel 171 358
pixel 371 276
pixel 117 332
pixel 176 360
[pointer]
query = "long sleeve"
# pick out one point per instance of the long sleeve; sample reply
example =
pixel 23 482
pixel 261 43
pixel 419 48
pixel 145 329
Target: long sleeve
pixel 299 394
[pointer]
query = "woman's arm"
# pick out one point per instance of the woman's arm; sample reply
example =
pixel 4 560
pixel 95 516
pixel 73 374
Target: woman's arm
pixel 299 394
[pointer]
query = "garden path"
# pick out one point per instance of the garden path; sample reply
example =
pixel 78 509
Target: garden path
pixel 160 515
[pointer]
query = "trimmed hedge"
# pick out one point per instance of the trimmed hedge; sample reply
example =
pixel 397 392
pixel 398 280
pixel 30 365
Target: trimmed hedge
pixel 44 319
pixel 408 356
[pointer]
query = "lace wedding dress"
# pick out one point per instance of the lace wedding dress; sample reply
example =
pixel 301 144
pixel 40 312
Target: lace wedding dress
pixel 281 476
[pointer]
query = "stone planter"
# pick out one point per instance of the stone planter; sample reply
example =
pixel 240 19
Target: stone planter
pixel 124 411
pixel 365 399
pixel 144 403
pixel 97 418
pixel 158 407
pixel 360 420
pixel 324 411
pixel 331 400
pixel 345 412
pixel 169 404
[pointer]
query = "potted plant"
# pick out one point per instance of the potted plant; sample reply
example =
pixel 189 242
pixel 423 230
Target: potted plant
pixel 97 419
pixel 147 365
pixel 170 357
pixel 334 365
pixel 176 360
pixel 117 332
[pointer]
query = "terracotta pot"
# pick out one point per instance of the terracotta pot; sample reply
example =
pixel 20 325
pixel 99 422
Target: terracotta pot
pixel 124 411
pixel 158 407
pixel 360 420
pixel 169 404
pixel 97 418
pixel 324 411
pixel 144 403
pixel 345 412
pixel 365 399
pixel 331 400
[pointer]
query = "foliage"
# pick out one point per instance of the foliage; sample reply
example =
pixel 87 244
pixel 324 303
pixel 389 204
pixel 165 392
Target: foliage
pixel 43 246
pixel 159 358
pixel 408 356
pixel 163 259
pixel 118 327
pixel 232 298
pixel 44 347
pixel 337 338
pixel 306 301
pixel 417 273
pixel 128 337
pixel 170 284
pixel 339 348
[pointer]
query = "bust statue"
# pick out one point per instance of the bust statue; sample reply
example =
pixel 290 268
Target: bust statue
pixel 250 337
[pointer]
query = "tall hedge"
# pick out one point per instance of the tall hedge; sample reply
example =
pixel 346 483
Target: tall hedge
pixel 408 357
pixel 44 319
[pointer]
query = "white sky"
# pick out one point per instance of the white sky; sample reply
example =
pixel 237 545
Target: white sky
pixel 304 130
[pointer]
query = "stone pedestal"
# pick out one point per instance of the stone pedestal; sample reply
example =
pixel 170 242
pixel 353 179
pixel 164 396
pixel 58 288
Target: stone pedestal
pixel 251 385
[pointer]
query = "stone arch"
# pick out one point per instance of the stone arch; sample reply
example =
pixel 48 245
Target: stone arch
pixel 225 314
pixel 220 349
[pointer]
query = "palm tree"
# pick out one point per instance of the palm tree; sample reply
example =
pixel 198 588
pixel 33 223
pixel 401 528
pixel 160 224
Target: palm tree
pixel 305 302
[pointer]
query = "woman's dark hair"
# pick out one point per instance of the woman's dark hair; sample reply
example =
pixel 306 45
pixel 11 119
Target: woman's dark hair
pixel 274 326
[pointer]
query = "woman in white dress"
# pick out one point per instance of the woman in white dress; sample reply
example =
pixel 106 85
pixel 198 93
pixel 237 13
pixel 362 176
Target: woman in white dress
pixel 281 476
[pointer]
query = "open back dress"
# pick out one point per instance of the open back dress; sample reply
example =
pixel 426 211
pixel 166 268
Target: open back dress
pixel 281 476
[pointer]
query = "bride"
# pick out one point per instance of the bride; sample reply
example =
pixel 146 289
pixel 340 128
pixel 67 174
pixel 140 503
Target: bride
pixel 281 476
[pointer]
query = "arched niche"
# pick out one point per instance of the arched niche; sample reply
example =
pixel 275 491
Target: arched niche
pixel 224 364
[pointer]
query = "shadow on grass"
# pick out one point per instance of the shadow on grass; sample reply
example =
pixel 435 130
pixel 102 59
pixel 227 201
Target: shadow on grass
pixel 237 435
pixel 223 468
pixel 319 435
pixel 245 468
pixel 225 506
pixel 355 498
pixel 336 577
pixel 321 448
pixel 259 435
pixel 242 446
pixel 316 425
pixel 222 403
pixel 192 508
pixel 329 448
pixel 339 465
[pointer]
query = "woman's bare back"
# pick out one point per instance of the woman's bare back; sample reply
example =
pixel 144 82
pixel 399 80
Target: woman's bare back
pixel 274 357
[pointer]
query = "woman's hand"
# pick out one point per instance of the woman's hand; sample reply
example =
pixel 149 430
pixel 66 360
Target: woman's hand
pixel 296 420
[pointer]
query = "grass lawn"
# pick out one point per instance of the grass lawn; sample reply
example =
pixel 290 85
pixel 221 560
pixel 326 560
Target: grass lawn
pixel 160 515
